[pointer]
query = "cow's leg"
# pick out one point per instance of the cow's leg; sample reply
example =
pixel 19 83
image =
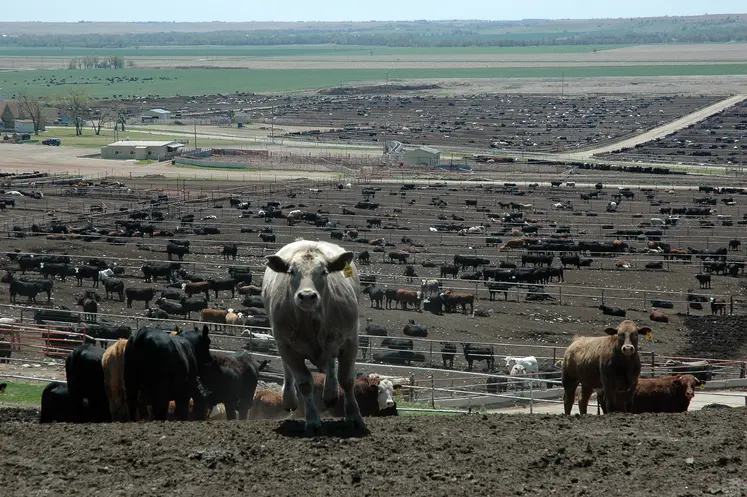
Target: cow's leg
pixel 583 402
pixel 296 371
pixel 569 395
pixel 346 376
pixel 331 386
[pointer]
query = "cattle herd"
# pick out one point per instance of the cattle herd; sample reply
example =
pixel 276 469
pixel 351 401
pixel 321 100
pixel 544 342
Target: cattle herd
pixel 244 268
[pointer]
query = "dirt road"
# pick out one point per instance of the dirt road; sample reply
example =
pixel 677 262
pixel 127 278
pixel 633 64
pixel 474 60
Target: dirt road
pixel 660 131
pixel 684 454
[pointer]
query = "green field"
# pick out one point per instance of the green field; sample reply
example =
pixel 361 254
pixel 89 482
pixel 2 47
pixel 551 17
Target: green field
pixel 90 140
pixel 289 50
pixel 28 394
pixel 128 83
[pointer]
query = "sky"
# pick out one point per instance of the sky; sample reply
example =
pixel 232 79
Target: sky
pixel 355 10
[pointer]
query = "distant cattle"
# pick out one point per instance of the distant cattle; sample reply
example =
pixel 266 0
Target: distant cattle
pixel 139 294
pixel 474 353
pixel 448 352
pixel 612 311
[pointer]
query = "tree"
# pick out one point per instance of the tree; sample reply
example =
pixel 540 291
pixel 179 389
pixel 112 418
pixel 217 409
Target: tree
pixel 74 63
pixel 120 118
pixel 32 107
pixel 99 118
pixel 77 104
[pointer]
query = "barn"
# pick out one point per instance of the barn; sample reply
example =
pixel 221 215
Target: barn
pixel 156 115
pixel 139 150
pixel 427 156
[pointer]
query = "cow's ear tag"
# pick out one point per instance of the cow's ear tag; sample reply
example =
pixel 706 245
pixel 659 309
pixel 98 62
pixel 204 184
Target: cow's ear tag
pixel 348 270
pixel 649 336
pixel 702 386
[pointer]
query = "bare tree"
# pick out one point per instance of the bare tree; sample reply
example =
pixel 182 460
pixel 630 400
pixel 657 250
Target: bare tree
pixel 32 107
pixel 99 118
pixel 120 118
pixel 77 105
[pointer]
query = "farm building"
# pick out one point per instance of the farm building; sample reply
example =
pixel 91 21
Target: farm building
pixel 139 150
pixel 23 126
pixel 156 115
pixel 427 156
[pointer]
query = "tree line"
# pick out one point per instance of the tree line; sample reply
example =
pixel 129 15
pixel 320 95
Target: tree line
pixel 79 108
pixel 96 62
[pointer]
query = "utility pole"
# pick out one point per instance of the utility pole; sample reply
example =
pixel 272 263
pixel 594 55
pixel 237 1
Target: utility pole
pixel 562 84
pixel 194 121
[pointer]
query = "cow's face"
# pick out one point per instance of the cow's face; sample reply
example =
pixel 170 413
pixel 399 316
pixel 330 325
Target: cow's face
pixel 688 383
pixel 386 393
pixel 627 336
pixel 308 271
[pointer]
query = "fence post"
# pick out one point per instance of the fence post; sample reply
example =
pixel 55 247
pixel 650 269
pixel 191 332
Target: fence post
pixel 412 390
pixel 433 393
pixel 560 294
pixel 731 305
pixel 430 359
pixel 531 397
pixel 644 301
pixel 653 364
pixel 602 296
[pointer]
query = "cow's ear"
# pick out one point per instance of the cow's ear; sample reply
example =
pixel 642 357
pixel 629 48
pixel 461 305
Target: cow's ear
pixel 277 264
pixel 610 331
pixel 644 330
pixel 339 263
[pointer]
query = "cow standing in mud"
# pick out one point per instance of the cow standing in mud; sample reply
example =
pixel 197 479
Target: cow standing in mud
pixel 311 292
pixel 609 363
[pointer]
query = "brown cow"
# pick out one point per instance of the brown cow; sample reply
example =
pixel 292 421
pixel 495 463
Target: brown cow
pixel 405 297
pixel 195 288
pixel 671 394
pixel 512 244
pixel 452 300
pixel 610 363
pixel 658 316
pixel 268 405
pixel 216 316
pixel 113 364
pixel 372 394
pixel 250 290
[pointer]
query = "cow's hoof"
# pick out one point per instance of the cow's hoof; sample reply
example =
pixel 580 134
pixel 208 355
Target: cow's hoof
pixel 313 428
pixel 356 422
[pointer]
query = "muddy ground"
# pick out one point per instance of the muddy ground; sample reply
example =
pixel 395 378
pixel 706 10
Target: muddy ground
pixel 696 453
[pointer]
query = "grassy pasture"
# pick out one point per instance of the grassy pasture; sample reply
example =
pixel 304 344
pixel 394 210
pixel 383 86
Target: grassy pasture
pixel 124 83
pixel 26 394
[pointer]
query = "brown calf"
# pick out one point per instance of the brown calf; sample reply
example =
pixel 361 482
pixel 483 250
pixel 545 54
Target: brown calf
pixel 195 288
pixel 658 316
pixel 671 394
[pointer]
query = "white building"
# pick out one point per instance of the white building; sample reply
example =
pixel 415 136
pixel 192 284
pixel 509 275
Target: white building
pixel 160 115
pixel 427 156
pixel 139 150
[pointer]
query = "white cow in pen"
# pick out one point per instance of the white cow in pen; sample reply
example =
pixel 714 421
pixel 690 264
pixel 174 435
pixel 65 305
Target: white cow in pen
pixel 529 363
pixel 311 292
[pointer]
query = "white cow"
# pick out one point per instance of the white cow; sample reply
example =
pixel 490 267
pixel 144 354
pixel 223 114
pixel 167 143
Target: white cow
pixel 655 221
pixel 295 214
pixel 311 292
pixel 529 363
pixel 518 371
pixel 430 287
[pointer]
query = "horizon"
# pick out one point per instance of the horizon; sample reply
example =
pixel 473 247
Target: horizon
pixel 295 11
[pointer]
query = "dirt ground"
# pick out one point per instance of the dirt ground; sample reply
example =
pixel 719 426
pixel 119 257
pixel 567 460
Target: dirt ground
pixel 697 453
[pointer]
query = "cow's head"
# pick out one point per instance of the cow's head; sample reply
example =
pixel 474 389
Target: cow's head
pixel 308 270
pixel 687 384
pixel 627 336
pixel 386 394
pixel 200 344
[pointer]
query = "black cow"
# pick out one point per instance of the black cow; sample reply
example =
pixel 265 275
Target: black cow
pixel 85 382
pixel 171 308
pixel 496 384
pixel 466 261
pixel 193 304
pixel 22 288
pixel 475 353
pixel 376 295
pixel 178 250
pixel 415 330
pixel 397 343
pixel 612 311
pixel 54 269
pixel 160 367
pixel 231 379
pixel 230 250
pixel 449 270
pixel 267 237
pixel 570 260
pixel 448 351
pixel 112 286
pixel 374 329
pixel 56 406
pixel 140 294
pixel 152 271
pixel 5 352
pixel 223 284
pixel 87 272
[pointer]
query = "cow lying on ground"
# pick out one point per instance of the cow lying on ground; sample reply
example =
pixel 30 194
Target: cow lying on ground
pixel 671 394
pixel 56 405
pixel 610 363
